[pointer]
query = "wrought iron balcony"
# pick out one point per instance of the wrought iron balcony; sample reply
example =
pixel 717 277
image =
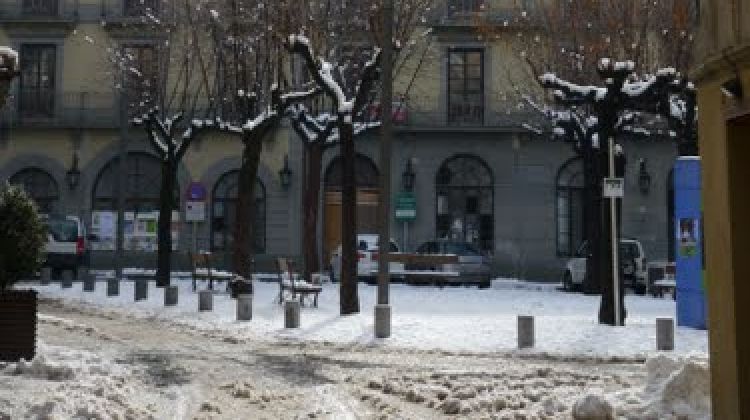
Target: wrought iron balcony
pixel 67 110
pixel 26 11
pixel 431 119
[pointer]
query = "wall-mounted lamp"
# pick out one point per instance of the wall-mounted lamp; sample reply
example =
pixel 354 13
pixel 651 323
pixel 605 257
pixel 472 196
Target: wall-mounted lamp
pixel 285 174
pixel 644 178
pixel 408 176
pixel 73 175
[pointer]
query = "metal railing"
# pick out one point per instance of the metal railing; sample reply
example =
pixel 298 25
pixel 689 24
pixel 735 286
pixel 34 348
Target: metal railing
pixel 50 10
pixel 105 11
pixel 421 118
pixel 66 110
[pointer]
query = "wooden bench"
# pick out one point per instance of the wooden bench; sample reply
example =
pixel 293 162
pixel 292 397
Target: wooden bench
pixel 202 270
pixel 292 285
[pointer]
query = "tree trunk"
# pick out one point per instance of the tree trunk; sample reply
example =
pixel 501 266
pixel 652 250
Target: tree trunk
pixel 311 207
pixel 607 309
pixel 166 205
pixel 243 243
pixel 349 300
pixel 592 197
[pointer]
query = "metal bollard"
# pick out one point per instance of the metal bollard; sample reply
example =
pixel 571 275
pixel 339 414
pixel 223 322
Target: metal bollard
pixel 525 331
pixel 244 307
pixel 141 289
pixel 170 296
pixel 113 287
pixel 291 314
pixel 67 279
pixel 205 300
pixel 46 276
pixel 664 334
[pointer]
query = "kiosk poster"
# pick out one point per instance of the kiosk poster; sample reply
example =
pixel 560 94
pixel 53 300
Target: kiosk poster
pixel 688 237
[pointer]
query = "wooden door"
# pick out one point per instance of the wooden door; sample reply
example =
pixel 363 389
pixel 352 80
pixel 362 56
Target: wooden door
pixel 367 218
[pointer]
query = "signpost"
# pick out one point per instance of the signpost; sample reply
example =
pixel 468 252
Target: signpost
pixel 195 207
pixel 406 211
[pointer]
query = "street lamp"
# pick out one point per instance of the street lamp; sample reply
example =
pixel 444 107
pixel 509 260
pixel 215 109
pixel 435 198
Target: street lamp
pixel 9 69
pixel 408 176
pixel 73 175
pixel 285 174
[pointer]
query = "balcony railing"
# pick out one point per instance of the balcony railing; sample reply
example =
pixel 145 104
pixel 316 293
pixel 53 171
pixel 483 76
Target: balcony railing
pixel 66 110
pixel 411 117
pixel 43 11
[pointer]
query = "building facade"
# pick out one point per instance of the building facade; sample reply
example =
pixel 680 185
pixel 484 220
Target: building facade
pixel 722 77
pixel 478 175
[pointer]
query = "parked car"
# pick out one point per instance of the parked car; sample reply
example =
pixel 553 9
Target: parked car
pixel 632 262
pixel 67 244
pixel 367 258
pixel 472 266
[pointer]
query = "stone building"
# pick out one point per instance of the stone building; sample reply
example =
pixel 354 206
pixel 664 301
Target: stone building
pixel 723 77
pixel 478 176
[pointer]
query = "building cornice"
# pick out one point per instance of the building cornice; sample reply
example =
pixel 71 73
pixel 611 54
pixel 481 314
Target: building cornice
pixel 722 64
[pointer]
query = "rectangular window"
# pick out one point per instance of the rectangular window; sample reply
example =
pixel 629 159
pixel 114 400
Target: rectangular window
pixel 38 69
pixel 40 7
pixel 141 75
pixel 466 86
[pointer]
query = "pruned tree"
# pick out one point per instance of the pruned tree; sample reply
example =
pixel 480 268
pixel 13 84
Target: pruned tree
pixel 170 96
pixel 611 107
pixel 569 38
pixel 9 69
pixel 348 37
pixel 318 134
pixel 253 103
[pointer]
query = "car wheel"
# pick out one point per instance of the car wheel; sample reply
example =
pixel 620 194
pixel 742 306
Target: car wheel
pixel 485 284
pixel 568 282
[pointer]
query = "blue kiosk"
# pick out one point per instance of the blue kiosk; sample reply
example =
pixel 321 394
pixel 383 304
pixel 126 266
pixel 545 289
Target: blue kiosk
pixel 691 283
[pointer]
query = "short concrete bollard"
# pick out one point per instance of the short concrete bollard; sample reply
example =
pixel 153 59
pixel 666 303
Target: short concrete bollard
pixel 89 283
pixel 113 287
pixel 291 314
pixel 205 300
pixel 67 279
pixel 664 334
pixel 141 289
pixel 382 321
pixel 525 331
pixel 170 296
pixel 244 307
pixel 46 276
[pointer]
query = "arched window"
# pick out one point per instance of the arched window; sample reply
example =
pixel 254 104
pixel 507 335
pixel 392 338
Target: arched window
pixel 465 201
pixel 224 213
pixel 366 173
pixel 40 186
pixel 569 207
pixel 142 184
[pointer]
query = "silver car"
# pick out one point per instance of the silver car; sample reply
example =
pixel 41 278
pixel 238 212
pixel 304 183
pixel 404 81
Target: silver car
pixel 472 266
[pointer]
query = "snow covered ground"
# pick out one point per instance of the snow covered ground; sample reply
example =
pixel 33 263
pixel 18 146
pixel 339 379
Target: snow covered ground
pixel 450 319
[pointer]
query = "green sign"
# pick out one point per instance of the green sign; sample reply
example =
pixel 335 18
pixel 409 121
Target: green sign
pixel 406 206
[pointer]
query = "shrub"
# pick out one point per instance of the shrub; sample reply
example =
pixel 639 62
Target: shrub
pixel 22 236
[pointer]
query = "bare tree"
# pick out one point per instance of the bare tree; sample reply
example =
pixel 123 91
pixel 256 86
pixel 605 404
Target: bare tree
pixel 346 71
pixel 569 38
pixel 9 69
pixel 169 94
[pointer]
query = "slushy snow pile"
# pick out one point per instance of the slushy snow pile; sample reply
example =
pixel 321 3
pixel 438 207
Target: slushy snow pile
pixel 61 383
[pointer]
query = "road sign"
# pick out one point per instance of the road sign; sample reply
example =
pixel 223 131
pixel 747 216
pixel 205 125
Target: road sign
pixel 406 206
pixel 613 188
pixel 195 211
pixel 196 192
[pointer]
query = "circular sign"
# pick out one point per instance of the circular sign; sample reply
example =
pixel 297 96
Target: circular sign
pixel 196 192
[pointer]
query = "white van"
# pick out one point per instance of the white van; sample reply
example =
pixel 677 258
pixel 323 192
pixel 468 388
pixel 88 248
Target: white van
pixel 632 260
pixel 367 258
pixel 66 247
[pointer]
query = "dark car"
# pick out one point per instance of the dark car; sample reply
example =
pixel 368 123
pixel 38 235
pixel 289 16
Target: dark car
pixel 472 266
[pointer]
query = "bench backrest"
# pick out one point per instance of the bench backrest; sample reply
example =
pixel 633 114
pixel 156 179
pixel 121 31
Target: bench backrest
pixel 201 260
pixel 284 266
